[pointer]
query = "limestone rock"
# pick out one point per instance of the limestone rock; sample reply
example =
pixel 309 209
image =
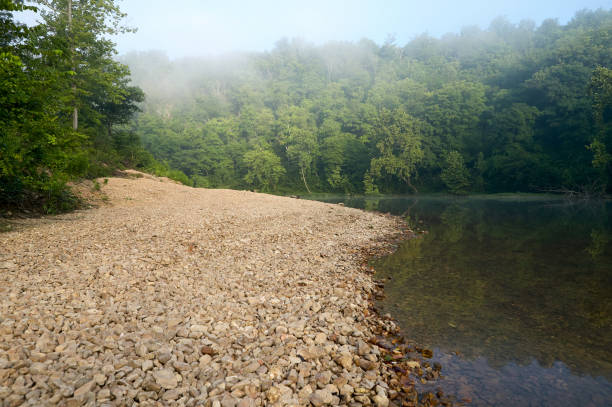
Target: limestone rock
pixel 166 378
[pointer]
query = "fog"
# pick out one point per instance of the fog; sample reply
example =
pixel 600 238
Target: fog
pixel 195 27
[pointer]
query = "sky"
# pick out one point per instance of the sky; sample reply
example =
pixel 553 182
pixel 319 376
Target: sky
pixel 209 27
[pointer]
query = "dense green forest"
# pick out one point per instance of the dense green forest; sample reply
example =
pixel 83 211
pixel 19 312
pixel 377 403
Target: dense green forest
pixel 515 107
pixel 63 99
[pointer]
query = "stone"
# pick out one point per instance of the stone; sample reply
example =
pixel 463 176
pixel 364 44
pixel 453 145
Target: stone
pixel 108 369
pixel 100 379
pixel 181 366
pixel 221 327
pixel 14 400
pixel 323 378
pixel 346 390
pixel 321 398
pixel 305 392
pixel 171 395
pixel 147 365
pixel 103 395
pixel 164 357
pixel 252 367
pixel 273 394
pixel 141 350
pixel 166 378
pixel 38 368
pixel 367 364
pixel 246 402
pixel 368 384
pixel 198 328
pixel 311 352
pixel 85 391
pixel 187 297
pixel 275 373
pixel 345 360
pixel 228 401
pixel 320 338
pixel 380 400
pixel 45 343
pixel 362 348
pixel 8 265
pixel 151 385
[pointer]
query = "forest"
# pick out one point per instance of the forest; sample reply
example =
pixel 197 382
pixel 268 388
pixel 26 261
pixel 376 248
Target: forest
pixel 514 107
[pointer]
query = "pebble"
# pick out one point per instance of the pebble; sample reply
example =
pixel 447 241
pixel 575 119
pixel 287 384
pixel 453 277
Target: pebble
pixel 166 378
pixel 321 397
pixel 380 400
pixel 173 295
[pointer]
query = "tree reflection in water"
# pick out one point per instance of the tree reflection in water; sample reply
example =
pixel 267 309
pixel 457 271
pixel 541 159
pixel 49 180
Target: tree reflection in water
pixel 516 287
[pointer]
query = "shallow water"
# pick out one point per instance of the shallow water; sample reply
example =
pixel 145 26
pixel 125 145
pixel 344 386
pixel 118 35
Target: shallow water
pixel 513 294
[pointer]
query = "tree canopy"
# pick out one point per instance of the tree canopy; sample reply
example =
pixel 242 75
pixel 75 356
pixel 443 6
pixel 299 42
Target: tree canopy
pixel 514 107
pixel 64 101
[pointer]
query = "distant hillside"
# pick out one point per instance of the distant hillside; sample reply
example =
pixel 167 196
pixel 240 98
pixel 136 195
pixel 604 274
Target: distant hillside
pixel 515 107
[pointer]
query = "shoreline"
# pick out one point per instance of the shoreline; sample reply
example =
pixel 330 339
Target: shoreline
pixel 168 295
pixel 404 364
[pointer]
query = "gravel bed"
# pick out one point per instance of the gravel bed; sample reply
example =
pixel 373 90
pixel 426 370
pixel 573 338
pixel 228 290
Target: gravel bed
pixel 169 295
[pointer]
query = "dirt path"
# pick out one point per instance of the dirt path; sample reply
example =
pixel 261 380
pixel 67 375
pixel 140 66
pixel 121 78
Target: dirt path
pixel 177 296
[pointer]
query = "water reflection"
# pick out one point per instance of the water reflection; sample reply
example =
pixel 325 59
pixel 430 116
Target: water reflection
pixel 520 290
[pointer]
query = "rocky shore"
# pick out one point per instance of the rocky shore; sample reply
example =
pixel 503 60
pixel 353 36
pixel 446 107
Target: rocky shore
pixel 168 295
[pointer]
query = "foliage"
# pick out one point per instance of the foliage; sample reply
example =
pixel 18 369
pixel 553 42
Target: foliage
pixel 399 146
pixel 454 173
pixel 264 169
pixel 47 72
pixel 519 103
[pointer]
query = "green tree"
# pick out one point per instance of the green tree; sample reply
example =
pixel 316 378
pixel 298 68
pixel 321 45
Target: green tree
pixel 37 154
pixel 264 169
pixel 454 173
pixel 601 94
pixel 80 32
pixel 399 147
pixel 518 102
pixel 297 135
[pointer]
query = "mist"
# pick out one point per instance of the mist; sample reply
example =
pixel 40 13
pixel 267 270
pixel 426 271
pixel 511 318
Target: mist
pixel 195 28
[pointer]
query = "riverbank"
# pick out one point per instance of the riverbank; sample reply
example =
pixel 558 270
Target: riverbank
pixel 171 295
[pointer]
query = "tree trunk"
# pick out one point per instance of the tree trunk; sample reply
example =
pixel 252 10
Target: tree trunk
pixel 304 179
pixel 75 112
pixel 416 191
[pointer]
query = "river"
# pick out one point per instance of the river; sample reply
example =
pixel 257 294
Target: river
pixel 513 294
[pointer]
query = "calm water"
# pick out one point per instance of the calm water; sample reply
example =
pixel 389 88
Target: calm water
pixel 514 295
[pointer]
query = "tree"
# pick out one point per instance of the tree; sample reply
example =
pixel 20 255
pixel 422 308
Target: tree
pixel 399 147
pixel 114 99
pixel 454 173
pixel 80 32
pixel 517 102
pixel 264 169
pixel 297 135
pixel 61 93
pixel 601 94
pixel 37 153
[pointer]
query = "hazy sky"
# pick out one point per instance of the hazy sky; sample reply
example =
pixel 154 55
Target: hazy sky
pixel 192 27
